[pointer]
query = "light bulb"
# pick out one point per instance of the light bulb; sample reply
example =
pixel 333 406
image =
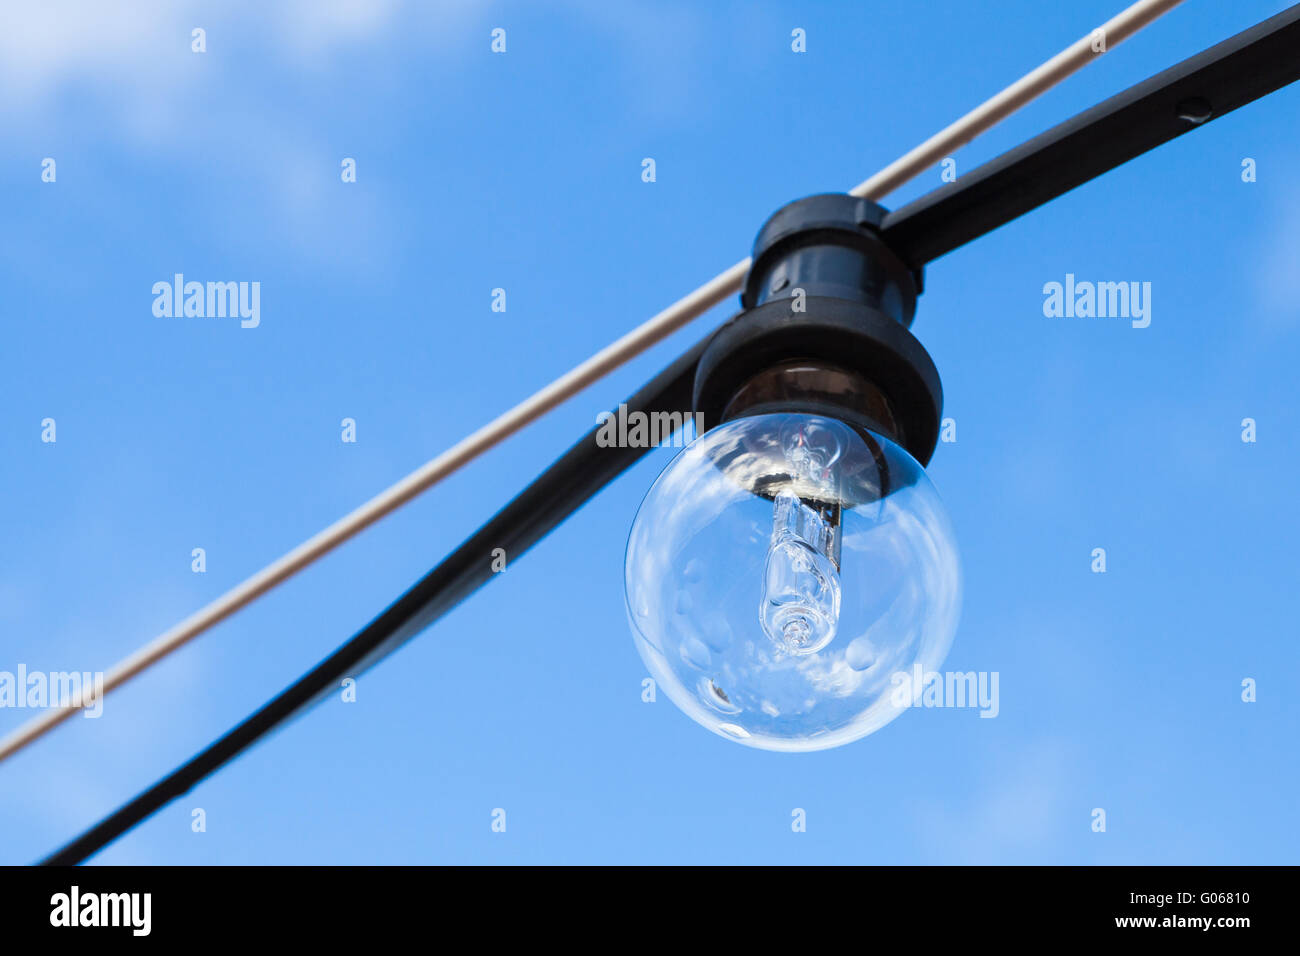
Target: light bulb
pixel 781 570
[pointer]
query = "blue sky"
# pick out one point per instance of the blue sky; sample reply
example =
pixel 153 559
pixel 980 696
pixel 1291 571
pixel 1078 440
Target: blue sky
pixel 523 171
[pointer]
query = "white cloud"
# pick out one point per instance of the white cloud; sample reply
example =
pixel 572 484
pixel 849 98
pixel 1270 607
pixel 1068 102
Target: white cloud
pixel 138 49
pixel 1278 274
pixel 1022 808
pixel 79 78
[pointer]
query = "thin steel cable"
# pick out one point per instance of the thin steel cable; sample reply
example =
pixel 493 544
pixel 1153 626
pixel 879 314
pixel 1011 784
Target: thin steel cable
pixel 677 315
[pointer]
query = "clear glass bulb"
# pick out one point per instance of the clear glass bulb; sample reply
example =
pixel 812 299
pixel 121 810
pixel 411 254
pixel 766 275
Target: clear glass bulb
pixel 781 570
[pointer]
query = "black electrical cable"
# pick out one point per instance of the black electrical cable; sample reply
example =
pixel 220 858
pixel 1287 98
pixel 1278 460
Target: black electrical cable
pixel 1190 94
pixel 1201 88
pixel 554 495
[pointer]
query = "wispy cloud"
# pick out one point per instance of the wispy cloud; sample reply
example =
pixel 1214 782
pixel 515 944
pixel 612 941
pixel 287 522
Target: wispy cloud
pixel 1278 274
pixel 124 78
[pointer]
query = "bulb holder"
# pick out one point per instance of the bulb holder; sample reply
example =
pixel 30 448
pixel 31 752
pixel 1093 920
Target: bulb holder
pixel 824 330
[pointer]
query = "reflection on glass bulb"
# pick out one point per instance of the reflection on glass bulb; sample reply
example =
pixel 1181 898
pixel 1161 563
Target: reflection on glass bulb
pixel 800 606
pixel 812 447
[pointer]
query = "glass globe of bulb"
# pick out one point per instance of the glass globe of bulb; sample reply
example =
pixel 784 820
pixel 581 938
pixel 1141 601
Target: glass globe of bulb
pixel 785 575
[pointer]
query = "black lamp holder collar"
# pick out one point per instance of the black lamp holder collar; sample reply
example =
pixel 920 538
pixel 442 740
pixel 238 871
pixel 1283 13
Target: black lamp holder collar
pixel 824 329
